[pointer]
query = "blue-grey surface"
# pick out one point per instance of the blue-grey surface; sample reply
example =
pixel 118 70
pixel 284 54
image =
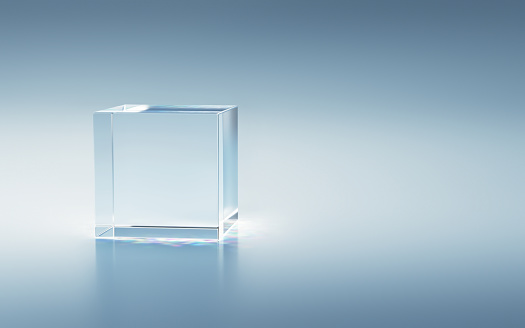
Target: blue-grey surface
pixel 381 155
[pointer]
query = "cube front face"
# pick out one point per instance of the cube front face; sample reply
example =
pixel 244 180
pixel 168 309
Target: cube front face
pixel 165 171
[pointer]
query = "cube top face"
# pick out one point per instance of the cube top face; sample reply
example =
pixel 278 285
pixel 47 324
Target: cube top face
pixel 201 109
pixel 165 171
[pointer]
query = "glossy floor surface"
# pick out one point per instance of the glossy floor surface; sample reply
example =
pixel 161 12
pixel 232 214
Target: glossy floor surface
pixel 387 227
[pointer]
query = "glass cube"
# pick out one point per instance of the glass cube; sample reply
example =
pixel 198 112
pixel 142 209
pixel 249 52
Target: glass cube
pixel 165 171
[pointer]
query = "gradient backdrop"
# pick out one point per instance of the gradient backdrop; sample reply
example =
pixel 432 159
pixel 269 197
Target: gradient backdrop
pixel 381 162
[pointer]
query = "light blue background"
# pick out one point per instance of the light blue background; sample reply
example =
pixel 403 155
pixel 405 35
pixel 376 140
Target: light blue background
pixel 381 155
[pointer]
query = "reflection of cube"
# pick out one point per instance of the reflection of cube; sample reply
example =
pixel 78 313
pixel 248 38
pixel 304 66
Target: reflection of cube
pixel 165 171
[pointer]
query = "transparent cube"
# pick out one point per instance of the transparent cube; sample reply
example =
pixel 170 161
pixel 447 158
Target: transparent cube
pixel 165 171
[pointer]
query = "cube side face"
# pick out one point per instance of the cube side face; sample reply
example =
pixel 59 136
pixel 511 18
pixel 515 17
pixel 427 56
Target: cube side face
pixel 165 170
pixel 103 145
pixel 228 169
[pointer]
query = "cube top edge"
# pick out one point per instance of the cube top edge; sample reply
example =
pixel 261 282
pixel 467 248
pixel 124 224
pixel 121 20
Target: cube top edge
pixel 140 108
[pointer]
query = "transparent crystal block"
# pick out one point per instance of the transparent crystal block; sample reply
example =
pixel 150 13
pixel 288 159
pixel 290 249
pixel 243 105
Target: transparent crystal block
pixel 165 171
